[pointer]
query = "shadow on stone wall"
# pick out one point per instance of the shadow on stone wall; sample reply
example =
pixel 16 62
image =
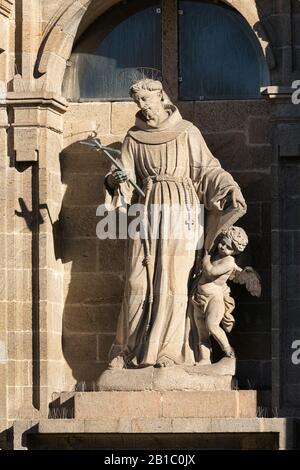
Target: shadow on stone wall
pixel 93 268
pixel 264 28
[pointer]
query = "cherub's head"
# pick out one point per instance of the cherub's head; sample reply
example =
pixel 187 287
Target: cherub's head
pixel 233 241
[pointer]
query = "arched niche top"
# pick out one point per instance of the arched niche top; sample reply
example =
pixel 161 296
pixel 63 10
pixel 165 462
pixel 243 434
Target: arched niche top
pixel 74 17
pixel 254 15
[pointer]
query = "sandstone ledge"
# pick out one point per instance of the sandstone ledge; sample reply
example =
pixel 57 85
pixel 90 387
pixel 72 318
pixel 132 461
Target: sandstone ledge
pixel 216 376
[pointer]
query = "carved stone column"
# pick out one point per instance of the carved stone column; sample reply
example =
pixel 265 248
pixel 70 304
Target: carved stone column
pixel 35 142
pixel 5 13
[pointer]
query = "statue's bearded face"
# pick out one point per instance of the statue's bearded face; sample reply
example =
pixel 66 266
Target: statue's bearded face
pixel 150 103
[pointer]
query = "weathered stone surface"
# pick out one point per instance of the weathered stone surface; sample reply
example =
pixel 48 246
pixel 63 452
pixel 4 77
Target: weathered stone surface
pixel 126 380
pixel 104 343
pixel 155 425
pixel 201 404
pixel 20 403
pixel 122 117
pixel 83 118
pixel 247 403
pixel 117 404
pixel 220 116
pixel 206 433
pixel 18 372
pixel 111 255
pixel 82 253
pixel 51 346
pixel 51 283
pixel 192 425
pixel 235 155
pixel 256 185
pixel 53 369
pixel 168 404
pixel 212 377
pixel 76 160
pixel 109 425
pixel 91 318
pixel 92 289
pixel 3 382
pixel 83 190
pixel 186 109
pixel 19 316
pixel 185 379
pixel 82 374
pixel 80 347
pixel 258 130
pixel 175 425
pixel 20 345
pixel 3 307
pixel 225 366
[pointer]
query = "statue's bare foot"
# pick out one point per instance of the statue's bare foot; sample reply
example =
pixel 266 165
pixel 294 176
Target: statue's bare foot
pixel 165 362
pixel 117 363
pixel 230 352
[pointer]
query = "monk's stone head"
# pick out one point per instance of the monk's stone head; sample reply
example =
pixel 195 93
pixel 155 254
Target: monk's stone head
pixel 149 96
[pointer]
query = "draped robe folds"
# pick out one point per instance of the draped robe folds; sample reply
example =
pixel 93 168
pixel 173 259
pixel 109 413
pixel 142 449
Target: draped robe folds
pixel 171 163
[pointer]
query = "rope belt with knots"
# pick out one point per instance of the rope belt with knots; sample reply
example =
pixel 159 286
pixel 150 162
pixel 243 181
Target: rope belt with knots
pixel 148 183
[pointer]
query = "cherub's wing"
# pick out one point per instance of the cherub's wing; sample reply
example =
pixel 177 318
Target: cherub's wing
pixel 250 278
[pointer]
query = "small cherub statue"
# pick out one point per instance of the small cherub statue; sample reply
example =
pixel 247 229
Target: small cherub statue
pixel 212 295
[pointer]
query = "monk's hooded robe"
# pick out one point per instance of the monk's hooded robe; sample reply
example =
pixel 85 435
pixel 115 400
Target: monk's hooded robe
pixel 174 166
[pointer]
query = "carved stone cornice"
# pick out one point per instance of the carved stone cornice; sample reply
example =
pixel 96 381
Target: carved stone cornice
pixel 38 98
pixel 6 7
pixel 32 113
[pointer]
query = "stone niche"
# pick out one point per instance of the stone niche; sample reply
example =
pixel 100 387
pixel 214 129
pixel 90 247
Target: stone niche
pixel 237 133
pixel 220 413
pixel 59 334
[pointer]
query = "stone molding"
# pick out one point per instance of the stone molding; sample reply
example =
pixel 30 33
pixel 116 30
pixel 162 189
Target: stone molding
pixel 276 93
pixel 31 113
pixel 79 427
pixel 43 98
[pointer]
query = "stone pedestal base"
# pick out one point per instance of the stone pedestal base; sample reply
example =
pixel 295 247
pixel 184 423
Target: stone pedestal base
pixel 163 405
pixel 208 377
pixel 156 433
